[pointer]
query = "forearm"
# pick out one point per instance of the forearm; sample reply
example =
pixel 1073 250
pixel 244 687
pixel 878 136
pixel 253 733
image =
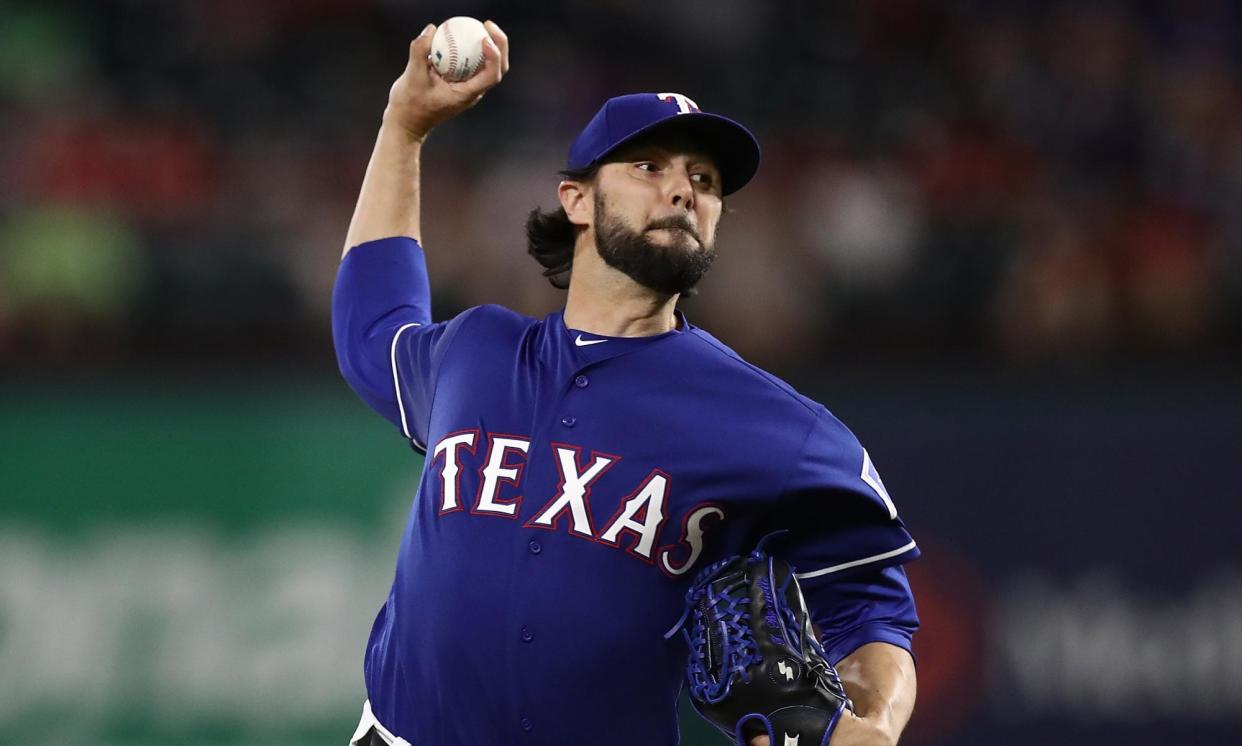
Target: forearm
pixel 388 203
pixel 880 679
pixel 418 101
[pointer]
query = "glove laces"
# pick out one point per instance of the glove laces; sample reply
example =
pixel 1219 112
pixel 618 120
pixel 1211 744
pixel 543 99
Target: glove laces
pixel 722 646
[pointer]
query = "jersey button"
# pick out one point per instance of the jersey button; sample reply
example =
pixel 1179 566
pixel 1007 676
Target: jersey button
pixel 582 382
pixel 527 635
pixel 534 547
pixel 527 725
pixel 569 421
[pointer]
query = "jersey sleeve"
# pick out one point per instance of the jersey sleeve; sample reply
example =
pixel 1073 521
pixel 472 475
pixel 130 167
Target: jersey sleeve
pixel 871 605
pixel 836 509
pixel 388 349
pixel 841 532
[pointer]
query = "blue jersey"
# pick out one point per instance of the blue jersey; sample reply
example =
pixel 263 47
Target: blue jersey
pixel 573 483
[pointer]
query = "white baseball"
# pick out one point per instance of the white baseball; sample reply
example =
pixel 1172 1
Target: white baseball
pixel 457 48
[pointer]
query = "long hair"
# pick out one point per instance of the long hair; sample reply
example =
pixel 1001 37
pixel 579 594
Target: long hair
pixel 550 236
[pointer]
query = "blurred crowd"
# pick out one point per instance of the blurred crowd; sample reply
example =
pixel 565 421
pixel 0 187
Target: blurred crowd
pixel 1016 180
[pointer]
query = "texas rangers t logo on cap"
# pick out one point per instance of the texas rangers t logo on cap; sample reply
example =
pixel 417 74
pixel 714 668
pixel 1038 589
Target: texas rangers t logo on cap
pixel 685 104
pixel 623 119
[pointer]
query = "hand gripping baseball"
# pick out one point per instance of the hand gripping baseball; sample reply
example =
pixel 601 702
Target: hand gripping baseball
pixel 756 670
pixel 420 99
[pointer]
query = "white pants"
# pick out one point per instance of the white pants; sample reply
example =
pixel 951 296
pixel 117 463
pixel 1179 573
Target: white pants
pixel 369 722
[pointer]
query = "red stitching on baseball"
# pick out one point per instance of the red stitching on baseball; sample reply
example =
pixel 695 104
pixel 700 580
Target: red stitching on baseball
pixel 452 43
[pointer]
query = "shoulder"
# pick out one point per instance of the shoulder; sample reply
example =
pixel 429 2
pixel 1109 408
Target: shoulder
pixel 713 355
pixel 488 324
pixel 492 316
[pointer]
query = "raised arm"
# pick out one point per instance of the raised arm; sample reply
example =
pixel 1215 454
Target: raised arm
pixel 386 344
pixel 418 101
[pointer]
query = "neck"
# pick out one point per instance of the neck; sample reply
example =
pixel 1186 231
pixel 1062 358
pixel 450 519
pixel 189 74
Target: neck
pixel 607 302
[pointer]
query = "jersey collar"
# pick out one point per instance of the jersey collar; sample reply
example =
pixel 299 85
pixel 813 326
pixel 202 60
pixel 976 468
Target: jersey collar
pixel 587 347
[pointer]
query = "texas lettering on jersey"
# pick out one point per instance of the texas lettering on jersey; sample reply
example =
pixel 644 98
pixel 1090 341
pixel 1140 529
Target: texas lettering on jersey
pixel 637 522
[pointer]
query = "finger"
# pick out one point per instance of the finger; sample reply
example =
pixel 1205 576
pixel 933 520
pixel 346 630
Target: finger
pixel 487 77
pixel 502 41
pixel 420 48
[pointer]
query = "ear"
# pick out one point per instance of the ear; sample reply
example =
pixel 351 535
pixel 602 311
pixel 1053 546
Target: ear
pixel 576 200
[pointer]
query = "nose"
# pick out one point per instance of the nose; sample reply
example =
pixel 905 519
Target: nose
pixel 681 190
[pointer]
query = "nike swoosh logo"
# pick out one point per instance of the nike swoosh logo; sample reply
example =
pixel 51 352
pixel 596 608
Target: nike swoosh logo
pixel 583 342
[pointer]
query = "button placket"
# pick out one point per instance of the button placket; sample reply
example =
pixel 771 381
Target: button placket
pixel 581 381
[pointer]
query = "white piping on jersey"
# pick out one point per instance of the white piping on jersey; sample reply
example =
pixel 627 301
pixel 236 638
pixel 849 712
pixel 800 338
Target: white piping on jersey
pixel 392 354
pixel 369 721
pixel 855 563
pixel 868 470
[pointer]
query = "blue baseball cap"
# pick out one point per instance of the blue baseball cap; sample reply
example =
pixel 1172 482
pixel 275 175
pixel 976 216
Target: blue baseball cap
pixel 624 118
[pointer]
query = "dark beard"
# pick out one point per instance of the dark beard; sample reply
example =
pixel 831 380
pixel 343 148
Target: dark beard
pixel 673 269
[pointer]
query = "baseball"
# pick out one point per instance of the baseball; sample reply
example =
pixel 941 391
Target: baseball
pixel 457 48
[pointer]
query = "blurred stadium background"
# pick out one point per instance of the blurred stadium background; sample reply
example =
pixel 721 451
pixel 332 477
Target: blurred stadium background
pixel 1001 240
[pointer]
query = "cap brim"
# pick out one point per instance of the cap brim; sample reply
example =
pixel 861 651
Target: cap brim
pixel 732 146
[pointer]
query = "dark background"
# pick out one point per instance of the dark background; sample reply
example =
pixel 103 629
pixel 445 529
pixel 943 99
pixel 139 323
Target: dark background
pixel 1001 241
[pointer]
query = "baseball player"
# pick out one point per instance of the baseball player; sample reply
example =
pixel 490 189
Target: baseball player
pixel 580 467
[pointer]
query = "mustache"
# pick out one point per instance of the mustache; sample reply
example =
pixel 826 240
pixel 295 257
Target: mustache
pixel 678 222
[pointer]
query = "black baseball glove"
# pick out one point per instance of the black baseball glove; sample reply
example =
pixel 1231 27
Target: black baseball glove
pixel 755 665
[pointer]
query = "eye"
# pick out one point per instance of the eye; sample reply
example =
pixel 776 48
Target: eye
pixel 647 166
pixel 704 179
